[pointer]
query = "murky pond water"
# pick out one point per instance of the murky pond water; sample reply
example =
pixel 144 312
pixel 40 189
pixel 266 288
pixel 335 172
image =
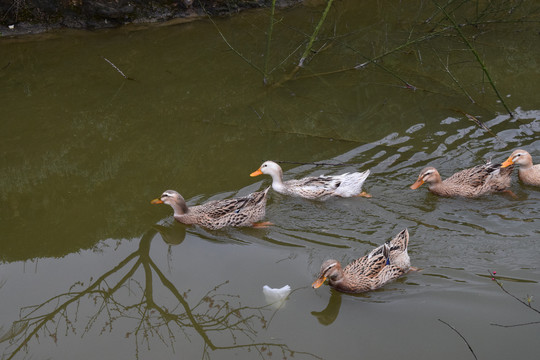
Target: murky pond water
pixel 90 269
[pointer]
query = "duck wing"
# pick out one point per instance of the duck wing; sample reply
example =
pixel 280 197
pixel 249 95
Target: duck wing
pixel 314 187
pixel 475 176
pixel 220 208
pixel 368 266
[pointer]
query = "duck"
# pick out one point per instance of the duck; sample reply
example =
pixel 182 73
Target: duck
pixel 528 173
pixel 237 212
pixel 315 187
pixel 382 265
pixel 474 182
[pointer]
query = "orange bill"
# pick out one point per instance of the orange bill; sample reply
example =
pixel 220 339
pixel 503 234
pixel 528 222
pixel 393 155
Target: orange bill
pixel 256 173
pixel 262 224
pixel 508 162
pixel 417 184
pixel 156 201
pixel 317 283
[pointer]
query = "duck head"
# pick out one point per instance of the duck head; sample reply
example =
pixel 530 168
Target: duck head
pixel 268 168
pixel 331 270
pixel 173 199
pixel 429 175
pixel 519 157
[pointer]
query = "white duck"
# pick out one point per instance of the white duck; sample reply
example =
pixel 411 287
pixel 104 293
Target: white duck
pixel 321 187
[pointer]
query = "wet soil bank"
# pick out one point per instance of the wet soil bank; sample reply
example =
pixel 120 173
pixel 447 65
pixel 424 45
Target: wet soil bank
pixel 19 17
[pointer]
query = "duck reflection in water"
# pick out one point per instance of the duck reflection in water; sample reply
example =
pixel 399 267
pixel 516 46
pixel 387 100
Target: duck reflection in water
pixel 330 313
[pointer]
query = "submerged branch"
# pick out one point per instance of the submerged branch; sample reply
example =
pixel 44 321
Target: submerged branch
pixel 249 62
pixel 454 79
pixel 269 41
pixel 375 60
pixel 307 50
pixel 477 56
pixel 314 35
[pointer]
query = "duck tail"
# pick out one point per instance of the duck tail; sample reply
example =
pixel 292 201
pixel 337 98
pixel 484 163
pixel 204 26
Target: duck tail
pixel 400 241
pixel 386 253
pixel 351 184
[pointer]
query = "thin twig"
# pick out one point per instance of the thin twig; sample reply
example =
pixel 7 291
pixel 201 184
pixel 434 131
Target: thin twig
pixel 516 325
pixel 116 68
pixel 466 342
pixel 447 69
pixel 269 41
pixel 396 49
pixel 527 304
pixel 480 124
pixel 250 63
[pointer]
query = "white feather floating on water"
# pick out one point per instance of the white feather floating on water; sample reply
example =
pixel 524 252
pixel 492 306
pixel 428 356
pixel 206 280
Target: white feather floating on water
pixel 276 296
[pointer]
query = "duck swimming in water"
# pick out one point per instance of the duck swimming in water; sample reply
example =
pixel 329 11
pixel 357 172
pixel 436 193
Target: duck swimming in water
pixel 315 187
pixel 382 265
pixel 528 173
pixel 242 211
pixel 477 181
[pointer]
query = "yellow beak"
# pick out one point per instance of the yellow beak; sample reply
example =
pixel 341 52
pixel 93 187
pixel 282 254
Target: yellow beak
pixel 156 201
pixel 256 173
pixel 508 162
pixel 417 184
pixel 317 283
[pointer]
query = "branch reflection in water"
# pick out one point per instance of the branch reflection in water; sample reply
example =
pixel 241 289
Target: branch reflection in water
pixel 214 313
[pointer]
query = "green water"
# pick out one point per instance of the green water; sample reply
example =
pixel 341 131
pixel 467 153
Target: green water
pixel 84 150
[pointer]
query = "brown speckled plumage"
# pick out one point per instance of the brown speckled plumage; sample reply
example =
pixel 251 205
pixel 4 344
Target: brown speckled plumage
pixel 242 211
pixel 528 173
pixel 382 265
pixel 477 181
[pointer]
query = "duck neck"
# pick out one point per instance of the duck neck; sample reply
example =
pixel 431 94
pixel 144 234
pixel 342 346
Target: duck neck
pixel 180 208
pixel 340 278
pixel 436 183
pixel 277 181
pixel 440 188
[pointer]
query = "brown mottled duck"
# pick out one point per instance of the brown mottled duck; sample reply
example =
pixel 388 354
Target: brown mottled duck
pixel 242 211
pixel 382 265
pixel 477 181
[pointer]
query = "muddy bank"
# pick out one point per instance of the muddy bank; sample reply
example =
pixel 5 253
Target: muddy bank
pixel 19 17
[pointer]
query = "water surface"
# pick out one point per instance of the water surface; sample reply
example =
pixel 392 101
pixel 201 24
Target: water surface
pixel 85 256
